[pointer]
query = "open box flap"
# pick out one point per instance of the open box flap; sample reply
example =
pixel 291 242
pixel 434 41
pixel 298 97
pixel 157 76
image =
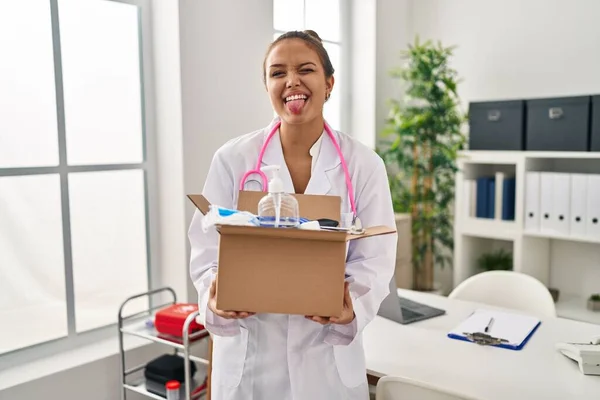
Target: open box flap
pixel 200 202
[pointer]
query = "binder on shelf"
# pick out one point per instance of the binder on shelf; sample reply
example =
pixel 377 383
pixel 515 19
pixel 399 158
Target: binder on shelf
pixel 561 185
pixel 496 328
pixel 470 197
pixel 482 203
pixel 592 225
pixel 491 198
pixel 473 198
pixel 545 199
pixel 499 192
pixel 532 201
pixel 578 205
pixel 508 198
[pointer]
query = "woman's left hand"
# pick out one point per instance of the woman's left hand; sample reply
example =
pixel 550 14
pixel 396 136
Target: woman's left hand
pixel 347 315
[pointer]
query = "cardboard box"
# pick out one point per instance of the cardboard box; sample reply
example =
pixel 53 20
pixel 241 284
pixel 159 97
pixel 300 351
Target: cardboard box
pixel 279 270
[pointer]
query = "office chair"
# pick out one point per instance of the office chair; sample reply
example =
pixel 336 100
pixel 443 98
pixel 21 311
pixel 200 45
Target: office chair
pixel 398 388
pixel 508 289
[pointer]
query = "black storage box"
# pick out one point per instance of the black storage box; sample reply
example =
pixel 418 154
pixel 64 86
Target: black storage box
pixel 595 139
pixel 166 368
pixel 558 124
pixel 497 125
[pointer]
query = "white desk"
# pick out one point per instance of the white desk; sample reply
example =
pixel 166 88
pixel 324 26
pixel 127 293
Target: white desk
pixel 422 351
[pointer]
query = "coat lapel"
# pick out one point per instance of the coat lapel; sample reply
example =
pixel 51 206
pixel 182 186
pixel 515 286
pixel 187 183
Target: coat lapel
pixel 327 160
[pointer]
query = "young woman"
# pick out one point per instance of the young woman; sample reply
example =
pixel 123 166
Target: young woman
pixel 285 357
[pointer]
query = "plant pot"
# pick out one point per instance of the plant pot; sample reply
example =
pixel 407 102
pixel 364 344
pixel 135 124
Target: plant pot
pixel 437 289
pixel 593 305
pixel 555 294
pixel 404 267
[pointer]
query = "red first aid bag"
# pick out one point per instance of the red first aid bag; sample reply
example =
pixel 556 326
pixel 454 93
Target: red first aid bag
pixel 170 320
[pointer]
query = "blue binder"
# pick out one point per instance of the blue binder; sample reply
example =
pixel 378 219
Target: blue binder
pixel 485 202
pixel 481 205
pixel 512 331
pixel 508 199
pixel 491 198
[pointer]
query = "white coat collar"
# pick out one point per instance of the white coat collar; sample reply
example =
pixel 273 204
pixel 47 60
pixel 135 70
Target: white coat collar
pixel 326 160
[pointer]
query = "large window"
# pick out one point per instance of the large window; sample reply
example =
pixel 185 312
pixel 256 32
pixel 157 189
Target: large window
pixel 73 168
pixel 325 18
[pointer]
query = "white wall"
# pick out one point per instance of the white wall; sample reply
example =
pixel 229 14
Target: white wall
pixel 97 380
pixel 516 48
pixel 393 34
pixel 380 29
pixel 171 232
pixel 363 76
pixel 508 49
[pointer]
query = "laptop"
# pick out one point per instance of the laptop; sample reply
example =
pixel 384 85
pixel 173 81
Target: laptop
pixel 405 311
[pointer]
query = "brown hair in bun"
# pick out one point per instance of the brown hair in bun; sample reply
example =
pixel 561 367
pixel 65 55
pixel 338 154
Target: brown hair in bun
pixel 312 39
pixel 313 34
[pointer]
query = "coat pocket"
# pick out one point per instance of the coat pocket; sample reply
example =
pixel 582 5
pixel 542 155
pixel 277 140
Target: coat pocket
pixel 350 363
pixel 229 357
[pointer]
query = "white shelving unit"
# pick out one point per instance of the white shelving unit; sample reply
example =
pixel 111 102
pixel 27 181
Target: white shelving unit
pixel 568 263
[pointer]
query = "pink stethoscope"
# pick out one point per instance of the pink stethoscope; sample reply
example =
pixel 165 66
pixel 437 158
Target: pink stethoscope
pixel 263 177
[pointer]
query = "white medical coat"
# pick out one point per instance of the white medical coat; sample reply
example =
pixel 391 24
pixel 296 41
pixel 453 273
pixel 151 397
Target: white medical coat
pixel 287 357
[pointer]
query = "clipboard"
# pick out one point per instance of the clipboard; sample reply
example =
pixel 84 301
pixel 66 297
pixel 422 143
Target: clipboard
pixel 504 330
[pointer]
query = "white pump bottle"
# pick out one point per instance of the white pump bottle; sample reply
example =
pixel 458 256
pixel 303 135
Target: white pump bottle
pixel 277 209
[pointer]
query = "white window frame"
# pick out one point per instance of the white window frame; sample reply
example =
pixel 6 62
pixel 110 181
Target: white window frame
pixel 345 57
pixel 75 340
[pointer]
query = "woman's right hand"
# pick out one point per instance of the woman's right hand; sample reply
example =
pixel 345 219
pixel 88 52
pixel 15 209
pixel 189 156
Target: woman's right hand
pixel 212 305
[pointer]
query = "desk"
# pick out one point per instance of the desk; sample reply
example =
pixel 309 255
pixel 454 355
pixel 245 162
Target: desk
pixel 422 351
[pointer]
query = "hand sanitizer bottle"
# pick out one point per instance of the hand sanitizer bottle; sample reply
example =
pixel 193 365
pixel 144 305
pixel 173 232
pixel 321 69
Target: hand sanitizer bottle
pixel 278 209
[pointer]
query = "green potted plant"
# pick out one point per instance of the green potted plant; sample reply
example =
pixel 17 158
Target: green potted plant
pixel 594 302
pixel 422 136
pixel 499 260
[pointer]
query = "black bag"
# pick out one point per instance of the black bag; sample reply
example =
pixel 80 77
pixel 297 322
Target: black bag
pixel 166 368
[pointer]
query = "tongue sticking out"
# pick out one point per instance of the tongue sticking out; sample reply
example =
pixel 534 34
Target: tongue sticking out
pixel 295 106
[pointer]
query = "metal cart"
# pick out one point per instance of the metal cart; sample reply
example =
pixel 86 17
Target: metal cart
pixel 136 325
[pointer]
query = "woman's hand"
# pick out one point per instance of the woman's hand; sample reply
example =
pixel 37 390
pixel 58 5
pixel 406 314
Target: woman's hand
pixel 348 310
pixel 347 315
pixel 212 305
